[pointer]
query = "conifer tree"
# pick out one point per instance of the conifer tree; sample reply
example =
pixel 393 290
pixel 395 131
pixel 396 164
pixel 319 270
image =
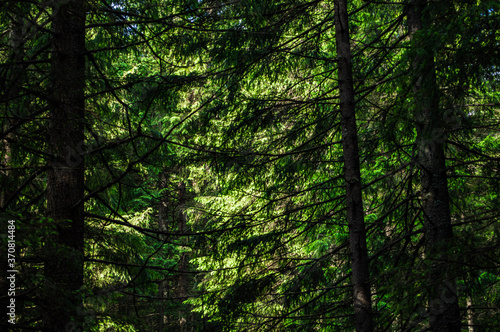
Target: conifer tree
pixel 354 201
pixel 65 175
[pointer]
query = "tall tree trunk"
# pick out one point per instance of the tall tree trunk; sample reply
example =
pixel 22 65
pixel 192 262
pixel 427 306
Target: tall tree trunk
pixel 163 226
pixel 444 313
pixel 184 259
pixel 354 200
pixel 65 187
pixel 470 314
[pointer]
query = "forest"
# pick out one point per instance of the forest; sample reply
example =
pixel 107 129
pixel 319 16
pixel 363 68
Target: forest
pixel 250 165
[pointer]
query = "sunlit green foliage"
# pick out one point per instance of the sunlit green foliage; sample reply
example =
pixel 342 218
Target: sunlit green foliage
pixel 239 101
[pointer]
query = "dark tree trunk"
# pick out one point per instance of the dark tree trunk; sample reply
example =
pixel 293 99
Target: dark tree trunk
pixel 444 313
pixel 354 200
pixel 65 187
pixel 163 226
pixel 184 259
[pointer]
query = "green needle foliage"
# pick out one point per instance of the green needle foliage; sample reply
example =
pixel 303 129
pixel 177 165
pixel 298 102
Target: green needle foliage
pixel 214 190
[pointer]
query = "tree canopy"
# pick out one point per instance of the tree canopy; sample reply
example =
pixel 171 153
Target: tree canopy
pixel 250 165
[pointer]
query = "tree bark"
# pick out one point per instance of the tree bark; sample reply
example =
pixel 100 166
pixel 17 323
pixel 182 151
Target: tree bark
pixel 355 214
pixel 444 313
pixel 65 177
pixel 184 259
pixel 163 226
pixel 470 314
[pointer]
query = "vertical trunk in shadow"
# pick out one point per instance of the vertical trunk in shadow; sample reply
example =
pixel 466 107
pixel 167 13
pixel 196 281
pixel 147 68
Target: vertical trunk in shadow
pixel 444 313
pixel 65 187
pixel 355 215
pixel 163 226
pixel 184 259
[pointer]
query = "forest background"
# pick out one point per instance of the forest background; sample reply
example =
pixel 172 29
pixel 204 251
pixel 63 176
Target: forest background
pixel 250 165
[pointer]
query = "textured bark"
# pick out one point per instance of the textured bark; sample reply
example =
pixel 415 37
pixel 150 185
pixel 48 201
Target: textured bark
pixel 470 314
pixel 444 313
pixel 65 189
pixel 355 215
